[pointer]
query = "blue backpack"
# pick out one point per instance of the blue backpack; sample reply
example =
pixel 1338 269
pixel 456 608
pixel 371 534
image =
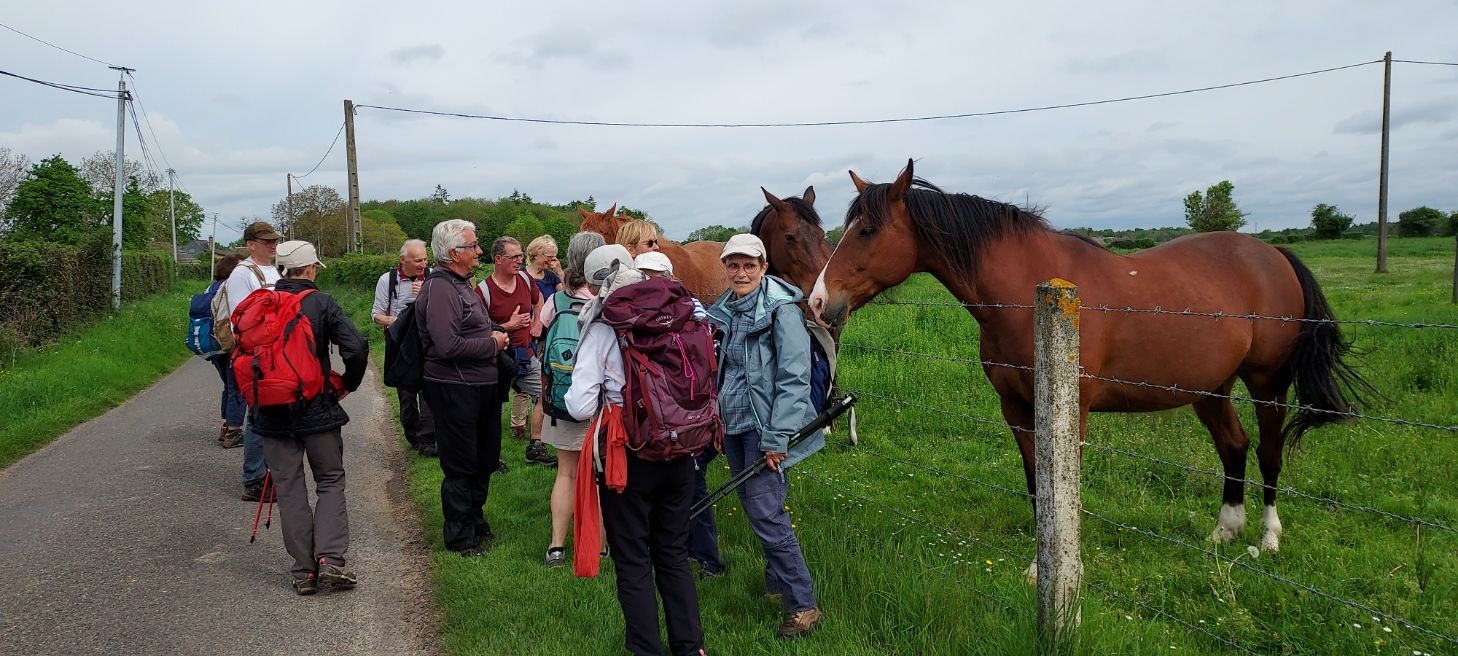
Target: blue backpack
pixel 200 338
pixel 559 354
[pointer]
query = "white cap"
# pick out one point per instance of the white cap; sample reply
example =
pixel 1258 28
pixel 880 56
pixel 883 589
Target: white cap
pixel 653 261
pixel 600 262
pixel 745 244
pixel 297 254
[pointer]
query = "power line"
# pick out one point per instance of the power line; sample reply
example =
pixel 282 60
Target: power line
pixel 935 117
pixel 1427 63
pixel 136 95
pixel 326 154
pixel 88 91
pixel 39 40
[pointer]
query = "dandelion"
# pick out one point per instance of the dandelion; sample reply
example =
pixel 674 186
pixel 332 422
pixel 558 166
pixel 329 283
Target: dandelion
pixel 1387 629
pixel 1256 553
pixel 989 561
pixel 1129 617
pixel 1356 625
pixel 1379 642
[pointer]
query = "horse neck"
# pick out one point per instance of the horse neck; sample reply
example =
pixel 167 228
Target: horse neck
pixel 1000 276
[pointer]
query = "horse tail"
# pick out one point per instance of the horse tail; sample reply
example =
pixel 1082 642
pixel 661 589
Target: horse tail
pixel 1326 384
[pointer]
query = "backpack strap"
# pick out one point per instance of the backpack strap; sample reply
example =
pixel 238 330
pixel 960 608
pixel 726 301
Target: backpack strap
pixel 257 271
pixel 390 299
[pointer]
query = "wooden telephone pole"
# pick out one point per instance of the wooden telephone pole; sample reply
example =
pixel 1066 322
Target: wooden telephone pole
pixel 289 207
pixel 352 224
pixel 1382 177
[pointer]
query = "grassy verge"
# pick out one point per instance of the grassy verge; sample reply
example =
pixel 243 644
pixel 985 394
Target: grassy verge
pixel 918 537
pixel 47 392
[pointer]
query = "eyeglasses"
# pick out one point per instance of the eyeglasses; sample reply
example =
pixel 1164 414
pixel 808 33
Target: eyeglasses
pixel 512 258
pixel 734 267
pixel 651 243
pixel 267 242
pixel 475 245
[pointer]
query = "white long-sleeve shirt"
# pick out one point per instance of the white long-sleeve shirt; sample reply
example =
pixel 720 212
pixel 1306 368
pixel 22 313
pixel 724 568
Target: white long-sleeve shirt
pixel 598 371
pixel 243 281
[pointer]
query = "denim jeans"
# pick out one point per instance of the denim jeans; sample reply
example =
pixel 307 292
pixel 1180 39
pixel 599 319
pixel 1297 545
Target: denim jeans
pixel 763 499
pixel 703 543
pixel 232 407
pixel 253 465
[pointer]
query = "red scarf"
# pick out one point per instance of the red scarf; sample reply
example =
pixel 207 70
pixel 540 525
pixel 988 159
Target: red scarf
pixel 586 509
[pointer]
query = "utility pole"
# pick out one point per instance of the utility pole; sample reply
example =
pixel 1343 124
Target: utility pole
pixel 352 219
pixel 119 188
pixel 1382 177
pixel 213 245
pixel 172 211
pixel 289 205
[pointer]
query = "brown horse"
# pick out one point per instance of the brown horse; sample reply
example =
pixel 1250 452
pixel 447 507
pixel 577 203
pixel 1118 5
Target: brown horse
pixel 987 252
pixel 792 233
pixel 695 264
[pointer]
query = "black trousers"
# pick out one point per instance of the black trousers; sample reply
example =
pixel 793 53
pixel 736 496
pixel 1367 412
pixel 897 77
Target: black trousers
pixel 468 434
pixel 415 417
pixel 647 528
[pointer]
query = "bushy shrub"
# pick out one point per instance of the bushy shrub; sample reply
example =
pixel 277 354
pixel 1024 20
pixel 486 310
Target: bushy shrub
pixel 1144 242
pixel 356 269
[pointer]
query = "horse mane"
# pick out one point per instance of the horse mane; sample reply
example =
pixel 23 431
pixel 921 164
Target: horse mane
pixel 804 209
pixel 955 226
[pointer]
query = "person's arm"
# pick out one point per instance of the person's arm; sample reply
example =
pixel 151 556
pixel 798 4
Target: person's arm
pixel 380 311
pixel 441 318
pixel 590 372
pixel 790 400
pixel 240 284
pixel 353 349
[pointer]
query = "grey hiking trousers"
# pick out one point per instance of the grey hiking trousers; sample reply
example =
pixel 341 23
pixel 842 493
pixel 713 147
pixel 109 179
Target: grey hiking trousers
pixel 321 532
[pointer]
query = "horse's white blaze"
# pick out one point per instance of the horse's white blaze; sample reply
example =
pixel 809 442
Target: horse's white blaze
pixel 819 296
pixel 1271 538
pixel 1231 524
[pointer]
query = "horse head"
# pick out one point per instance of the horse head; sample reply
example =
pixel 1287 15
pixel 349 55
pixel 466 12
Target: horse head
pixel 879 249
pixel 603 223
pixel 792 233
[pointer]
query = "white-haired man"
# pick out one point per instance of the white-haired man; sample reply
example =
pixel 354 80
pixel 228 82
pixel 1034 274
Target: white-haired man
pixel 394 290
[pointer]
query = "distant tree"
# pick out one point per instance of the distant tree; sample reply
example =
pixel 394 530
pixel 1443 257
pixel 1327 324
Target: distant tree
pixel 1215 210
pixel 834 235
pixel 190 216
pixel 379 233
pixel 315 204
pixel 715 233
pixel 1419 222
pixel 1329 222
pixel 524 229
pixel 1451 228
pixel 14 169
pixel 561 229
pixel 53 204
pixel 440 195
pixel 99 170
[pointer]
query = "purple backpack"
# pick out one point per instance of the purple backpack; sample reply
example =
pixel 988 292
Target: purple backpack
pixel 670 399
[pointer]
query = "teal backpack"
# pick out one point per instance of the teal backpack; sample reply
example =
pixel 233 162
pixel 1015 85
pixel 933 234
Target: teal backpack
pixel 559 352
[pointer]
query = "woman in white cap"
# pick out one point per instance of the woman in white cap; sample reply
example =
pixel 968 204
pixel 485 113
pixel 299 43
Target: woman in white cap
pixel 764 398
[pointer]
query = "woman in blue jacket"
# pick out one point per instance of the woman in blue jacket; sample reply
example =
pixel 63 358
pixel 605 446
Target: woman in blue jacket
pixel 764 397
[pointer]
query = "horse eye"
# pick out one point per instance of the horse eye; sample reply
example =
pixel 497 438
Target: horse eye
pixel 790 238
pixel 868 231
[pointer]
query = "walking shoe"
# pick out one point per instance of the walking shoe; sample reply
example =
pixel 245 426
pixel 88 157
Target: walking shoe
pixel 307 585
pixel 428 450
pixel 339 576
pixel 556 557
pixel 519 432
pixel 538 453
pixel 222 430
pixel 706 573
pixel 480 548
pixel 800 623
pixel 500 467
pixel 253 491
pixel 232 437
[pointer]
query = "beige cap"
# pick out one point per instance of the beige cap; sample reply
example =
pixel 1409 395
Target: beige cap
pixel 745 244
pixel 297 254
pixel 259 230
pixel 653 261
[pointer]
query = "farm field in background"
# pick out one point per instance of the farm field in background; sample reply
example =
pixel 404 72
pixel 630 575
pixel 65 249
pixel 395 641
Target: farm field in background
pixel 918 537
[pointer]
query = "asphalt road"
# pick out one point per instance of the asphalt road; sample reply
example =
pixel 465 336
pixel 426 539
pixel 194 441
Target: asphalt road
pixel 127 536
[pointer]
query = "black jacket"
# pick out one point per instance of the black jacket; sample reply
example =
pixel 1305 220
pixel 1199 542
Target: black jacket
pixel 331 326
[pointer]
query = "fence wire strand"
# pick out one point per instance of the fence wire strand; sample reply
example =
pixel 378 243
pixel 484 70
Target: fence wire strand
pixel 1110 592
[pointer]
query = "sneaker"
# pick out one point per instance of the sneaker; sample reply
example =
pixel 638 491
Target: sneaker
pixel 706 574
pixel 339 576
pixel 800 623
pixel 222 430
pixel 556 557
pixel 428 450
pixel 307 585
pixel 538 453
pixel 253 492
pixel 232 437
pixel 500 467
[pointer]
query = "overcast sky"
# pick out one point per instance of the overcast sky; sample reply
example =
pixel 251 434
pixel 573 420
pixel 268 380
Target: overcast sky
pixel 241 93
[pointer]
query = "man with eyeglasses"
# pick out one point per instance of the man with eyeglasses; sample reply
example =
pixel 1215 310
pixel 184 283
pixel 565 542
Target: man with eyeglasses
pixel 514 301
pixel 253 273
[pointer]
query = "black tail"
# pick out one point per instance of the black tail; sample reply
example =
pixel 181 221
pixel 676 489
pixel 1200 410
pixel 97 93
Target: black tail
pixel 1326 385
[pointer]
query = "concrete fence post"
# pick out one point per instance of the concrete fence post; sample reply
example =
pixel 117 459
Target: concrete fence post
pixel 1055 374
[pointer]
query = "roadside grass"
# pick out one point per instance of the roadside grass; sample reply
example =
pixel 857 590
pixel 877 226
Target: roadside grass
pixel 47 392
pixel 918 537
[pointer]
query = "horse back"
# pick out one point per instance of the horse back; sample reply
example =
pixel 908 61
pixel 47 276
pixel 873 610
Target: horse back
pixel 696 264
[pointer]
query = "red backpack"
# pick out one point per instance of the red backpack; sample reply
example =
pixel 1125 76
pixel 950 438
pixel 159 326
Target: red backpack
pixel 671 398
pixel 275 361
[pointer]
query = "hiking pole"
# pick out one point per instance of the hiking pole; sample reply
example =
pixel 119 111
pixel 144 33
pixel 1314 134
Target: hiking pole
pixel 820 421
pixel 257 515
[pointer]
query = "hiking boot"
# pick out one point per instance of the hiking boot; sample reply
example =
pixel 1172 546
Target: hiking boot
pixel 707 574
pixel 222 430
pixel 232 437
pixel 338 576
pixel 800 623
pixel 307 585
pixel 500 467
pixel 556 557
pixel 538 453
pixel 428 450
pixel 480 547
pixel 253 492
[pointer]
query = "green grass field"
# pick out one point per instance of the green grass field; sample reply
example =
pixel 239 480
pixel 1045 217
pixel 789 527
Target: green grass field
pixel 918 536
pixel 46 392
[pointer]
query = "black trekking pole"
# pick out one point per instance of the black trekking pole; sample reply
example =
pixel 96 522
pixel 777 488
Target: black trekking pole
pixel 820 421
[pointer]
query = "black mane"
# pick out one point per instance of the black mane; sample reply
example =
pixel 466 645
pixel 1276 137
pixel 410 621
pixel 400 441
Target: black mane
pixel 804 209
pixel 956 226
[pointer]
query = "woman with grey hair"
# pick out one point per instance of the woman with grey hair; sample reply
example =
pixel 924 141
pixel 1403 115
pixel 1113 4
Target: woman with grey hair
pixel 460 345
pixel 558 351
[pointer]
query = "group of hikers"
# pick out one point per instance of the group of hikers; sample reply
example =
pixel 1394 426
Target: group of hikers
pixel 614 364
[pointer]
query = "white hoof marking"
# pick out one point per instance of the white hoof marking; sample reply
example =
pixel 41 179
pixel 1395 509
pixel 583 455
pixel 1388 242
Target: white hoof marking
pixel 1230 525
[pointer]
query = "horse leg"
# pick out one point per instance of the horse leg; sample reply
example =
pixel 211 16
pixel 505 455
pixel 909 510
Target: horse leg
pixel 1019 417
pixel 1231 443
pixel 1268 452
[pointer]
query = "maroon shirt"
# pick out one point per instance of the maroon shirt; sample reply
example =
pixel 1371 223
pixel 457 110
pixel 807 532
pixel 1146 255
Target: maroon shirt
pixel 524 298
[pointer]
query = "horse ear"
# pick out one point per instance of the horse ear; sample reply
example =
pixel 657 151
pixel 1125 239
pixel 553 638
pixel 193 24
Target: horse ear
pixel 774 201
pixel 809 195
pixel 902 184
pixel 612 212
pixel 583 212
pixel 861 185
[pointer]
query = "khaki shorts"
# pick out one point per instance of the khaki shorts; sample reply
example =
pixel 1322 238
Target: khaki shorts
pixel 566 435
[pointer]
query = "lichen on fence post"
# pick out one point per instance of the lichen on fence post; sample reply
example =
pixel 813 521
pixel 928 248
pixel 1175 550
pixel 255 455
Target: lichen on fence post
pixel 1055 396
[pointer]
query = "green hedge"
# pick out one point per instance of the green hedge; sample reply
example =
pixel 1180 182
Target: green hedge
pixel 199 270
pixel 356 269
pixel 47 290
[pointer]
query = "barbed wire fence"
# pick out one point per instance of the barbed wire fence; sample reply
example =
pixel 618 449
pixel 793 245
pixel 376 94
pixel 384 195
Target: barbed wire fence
pixel 840 483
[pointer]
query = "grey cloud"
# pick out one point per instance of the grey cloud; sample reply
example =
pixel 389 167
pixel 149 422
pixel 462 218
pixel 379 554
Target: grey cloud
pixel 565 45
pixel 426 52
pixel 1143 60
pixel 1370 122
